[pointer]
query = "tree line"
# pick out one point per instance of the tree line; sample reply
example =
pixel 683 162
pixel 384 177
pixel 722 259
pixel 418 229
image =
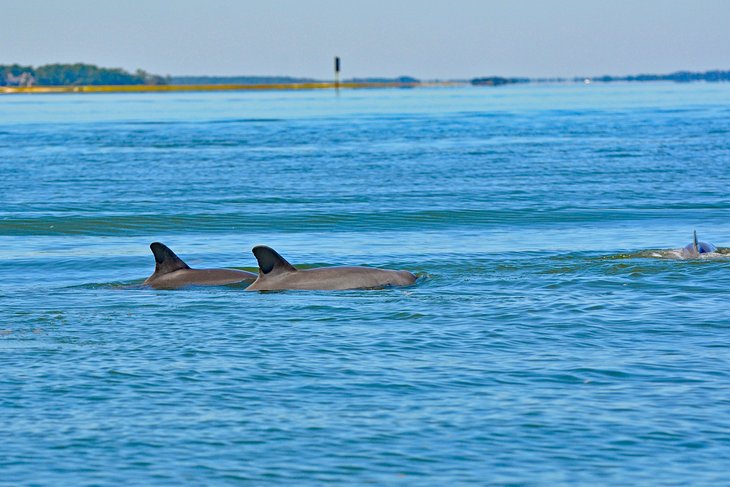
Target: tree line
pixel 74 75
pixel 679 77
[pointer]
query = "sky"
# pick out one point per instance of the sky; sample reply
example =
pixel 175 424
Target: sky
pixel 428 39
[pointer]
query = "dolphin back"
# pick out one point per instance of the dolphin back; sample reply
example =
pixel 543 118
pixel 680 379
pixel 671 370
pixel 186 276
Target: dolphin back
pixel 696 248
pixel 706 248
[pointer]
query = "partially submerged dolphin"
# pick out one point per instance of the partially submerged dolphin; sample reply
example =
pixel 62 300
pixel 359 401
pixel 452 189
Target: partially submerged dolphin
pixel 171 272
pixel 275 273
pixel 694 249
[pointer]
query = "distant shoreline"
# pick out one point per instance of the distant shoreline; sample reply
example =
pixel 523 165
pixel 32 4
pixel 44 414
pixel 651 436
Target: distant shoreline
pixel 19 90
pixel 89 78
pixel 216 87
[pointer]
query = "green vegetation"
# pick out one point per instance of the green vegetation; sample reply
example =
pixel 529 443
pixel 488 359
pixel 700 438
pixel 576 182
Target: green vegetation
pixel 74 75
pixel 497 81
pixel 679 77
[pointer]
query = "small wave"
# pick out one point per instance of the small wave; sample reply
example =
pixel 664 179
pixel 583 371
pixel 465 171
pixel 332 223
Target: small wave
pixel 293 221
pixel 138 284
pixel 676 254
pixel 246 120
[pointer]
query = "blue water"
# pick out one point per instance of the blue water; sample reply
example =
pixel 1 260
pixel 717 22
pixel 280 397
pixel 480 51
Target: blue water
pixel 552 339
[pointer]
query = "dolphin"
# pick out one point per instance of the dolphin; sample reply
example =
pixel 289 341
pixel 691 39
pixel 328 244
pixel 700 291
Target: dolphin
pixel 694 249
pixel 275 273
pixel 171 272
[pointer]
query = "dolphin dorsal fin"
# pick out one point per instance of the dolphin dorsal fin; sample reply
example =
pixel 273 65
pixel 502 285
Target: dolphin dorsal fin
pixel 165 259
pixel 270 262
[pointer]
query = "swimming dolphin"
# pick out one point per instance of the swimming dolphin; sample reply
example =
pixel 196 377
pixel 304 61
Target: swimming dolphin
pixel 694 249
pixel 171 272
pixel 275 273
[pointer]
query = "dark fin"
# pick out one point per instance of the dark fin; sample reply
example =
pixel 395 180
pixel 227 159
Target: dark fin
pixel 270 261
pixel 165 259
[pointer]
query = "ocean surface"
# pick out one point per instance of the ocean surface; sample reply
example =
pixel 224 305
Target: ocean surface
pixel 553 336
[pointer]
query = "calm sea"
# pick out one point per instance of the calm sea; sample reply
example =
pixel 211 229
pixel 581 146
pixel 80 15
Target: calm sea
pixel 551 338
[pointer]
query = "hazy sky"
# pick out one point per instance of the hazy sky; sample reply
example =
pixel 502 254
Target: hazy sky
pixel 423 38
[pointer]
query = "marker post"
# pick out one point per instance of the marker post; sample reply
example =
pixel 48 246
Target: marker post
pixel 337 72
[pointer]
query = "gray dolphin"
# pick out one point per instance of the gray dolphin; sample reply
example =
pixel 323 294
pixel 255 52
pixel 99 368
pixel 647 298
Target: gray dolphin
pixel 275 273
pixel 694 249
pixel 171 272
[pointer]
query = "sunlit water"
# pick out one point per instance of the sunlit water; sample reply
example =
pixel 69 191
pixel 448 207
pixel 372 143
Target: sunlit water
pixel 555 337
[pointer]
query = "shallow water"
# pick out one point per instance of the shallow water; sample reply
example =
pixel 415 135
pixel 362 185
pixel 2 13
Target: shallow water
pixel 554 339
